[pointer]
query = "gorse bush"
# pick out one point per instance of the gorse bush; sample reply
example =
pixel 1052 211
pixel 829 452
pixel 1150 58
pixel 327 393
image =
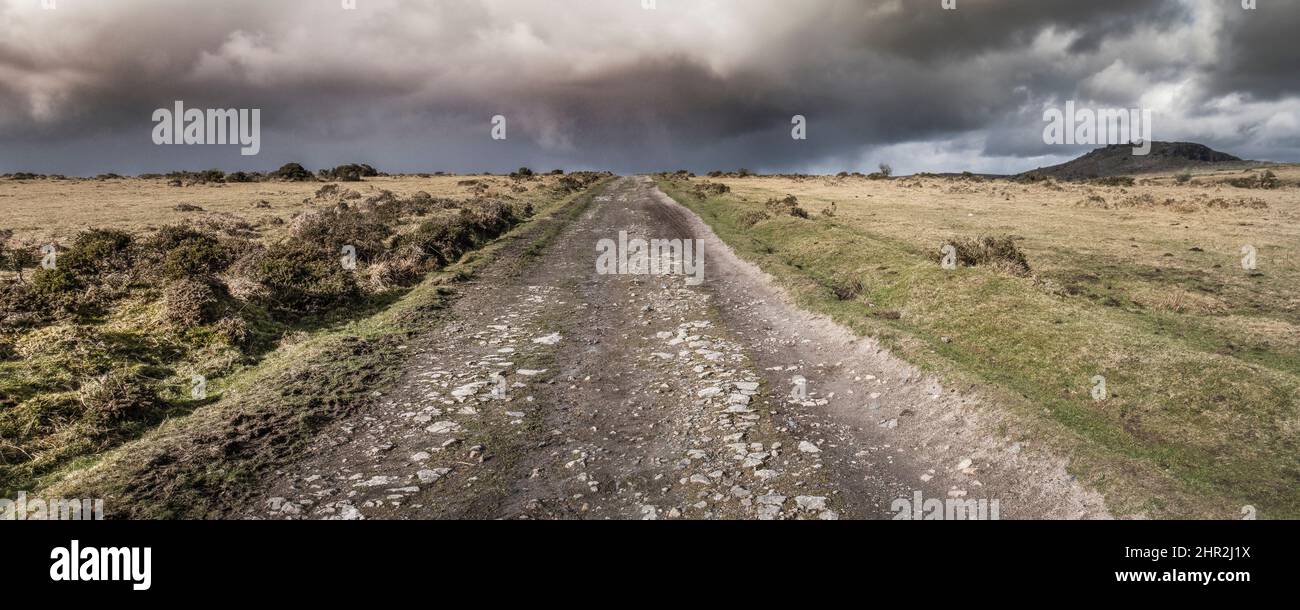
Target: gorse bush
pixel 997 252
pixel 214 296
pixel 292 172
pixel 704 190
pixel 97 251
pixel 787 206
pixel 13 257
pixel 304 278
pixel 494 218
pixel 445 238
pixel 1265 180
pixel 53 282
pixel 189 302
pixel 577 181
pixel 335 228
pixel 182 252
pixel 1122 181
pixel 352 172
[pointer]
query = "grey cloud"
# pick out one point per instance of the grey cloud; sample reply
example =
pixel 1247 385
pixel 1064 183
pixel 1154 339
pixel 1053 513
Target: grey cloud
pixel 410 85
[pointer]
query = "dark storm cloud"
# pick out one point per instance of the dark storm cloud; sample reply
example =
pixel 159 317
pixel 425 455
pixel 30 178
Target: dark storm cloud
pixel 1259 54
pixel 411 85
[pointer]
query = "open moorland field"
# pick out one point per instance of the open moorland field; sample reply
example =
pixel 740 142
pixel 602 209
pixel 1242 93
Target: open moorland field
pixel 166 292
pixel 43 210
pixel 1141 284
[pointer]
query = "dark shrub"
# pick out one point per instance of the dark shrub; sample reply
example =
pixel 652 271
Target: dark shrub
pixel 97 251
pixel 335 228
pixel 189 302
pixel 494 218
pixel 419 204
pixel 304 278
pixel 342 173
pixel 53 282
pixel 187 253
pixel 212 175
pixel 293 172
pixel 1266 180
pixel 445 237
pixel 999 252
pixel 398 267
pixel 787 206
pixel 171 236
pixel 1115 181
pixel 352 172
pixel 14 258
pixel 569 184
pixel 705 190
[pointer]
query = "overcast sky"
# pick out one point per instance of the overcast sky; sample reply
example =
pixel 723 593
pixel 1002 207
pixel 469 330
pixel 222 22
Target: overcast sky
pixel 412 85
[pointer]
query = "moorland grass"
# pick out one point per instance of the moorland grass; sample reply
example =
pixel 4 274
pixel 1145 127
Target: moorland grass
pixel 1200 356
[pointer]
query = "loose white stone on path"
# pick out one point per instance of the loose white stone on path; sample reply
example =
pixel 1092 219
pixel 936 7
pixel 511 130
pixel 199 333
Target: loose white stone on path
pixel 377 481
pixel 811 503
pixel 550 339
pixel 429 476
pixel 445 427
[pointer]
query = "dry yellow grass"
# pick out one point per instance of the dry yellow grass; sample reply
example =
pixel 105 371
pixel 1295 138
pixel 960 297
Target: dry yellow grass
pixel 1186 233
pixel 920 209
pixel 230 297
pixel 1143 285
pixel 56 210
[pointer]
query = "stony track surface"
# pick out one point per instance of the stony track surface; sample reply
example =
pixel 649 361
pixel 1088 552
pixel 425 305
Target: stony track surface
pixel 556 392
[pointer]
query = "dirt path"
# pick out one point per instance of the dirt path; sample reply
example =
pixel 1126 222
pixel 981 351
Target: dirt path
pixel 558 392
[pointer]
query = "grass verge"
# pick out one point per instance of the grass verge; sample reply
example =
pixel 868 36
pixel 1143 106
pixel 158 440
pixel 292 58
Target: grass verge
pixel 1188 429
pixel 207 464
